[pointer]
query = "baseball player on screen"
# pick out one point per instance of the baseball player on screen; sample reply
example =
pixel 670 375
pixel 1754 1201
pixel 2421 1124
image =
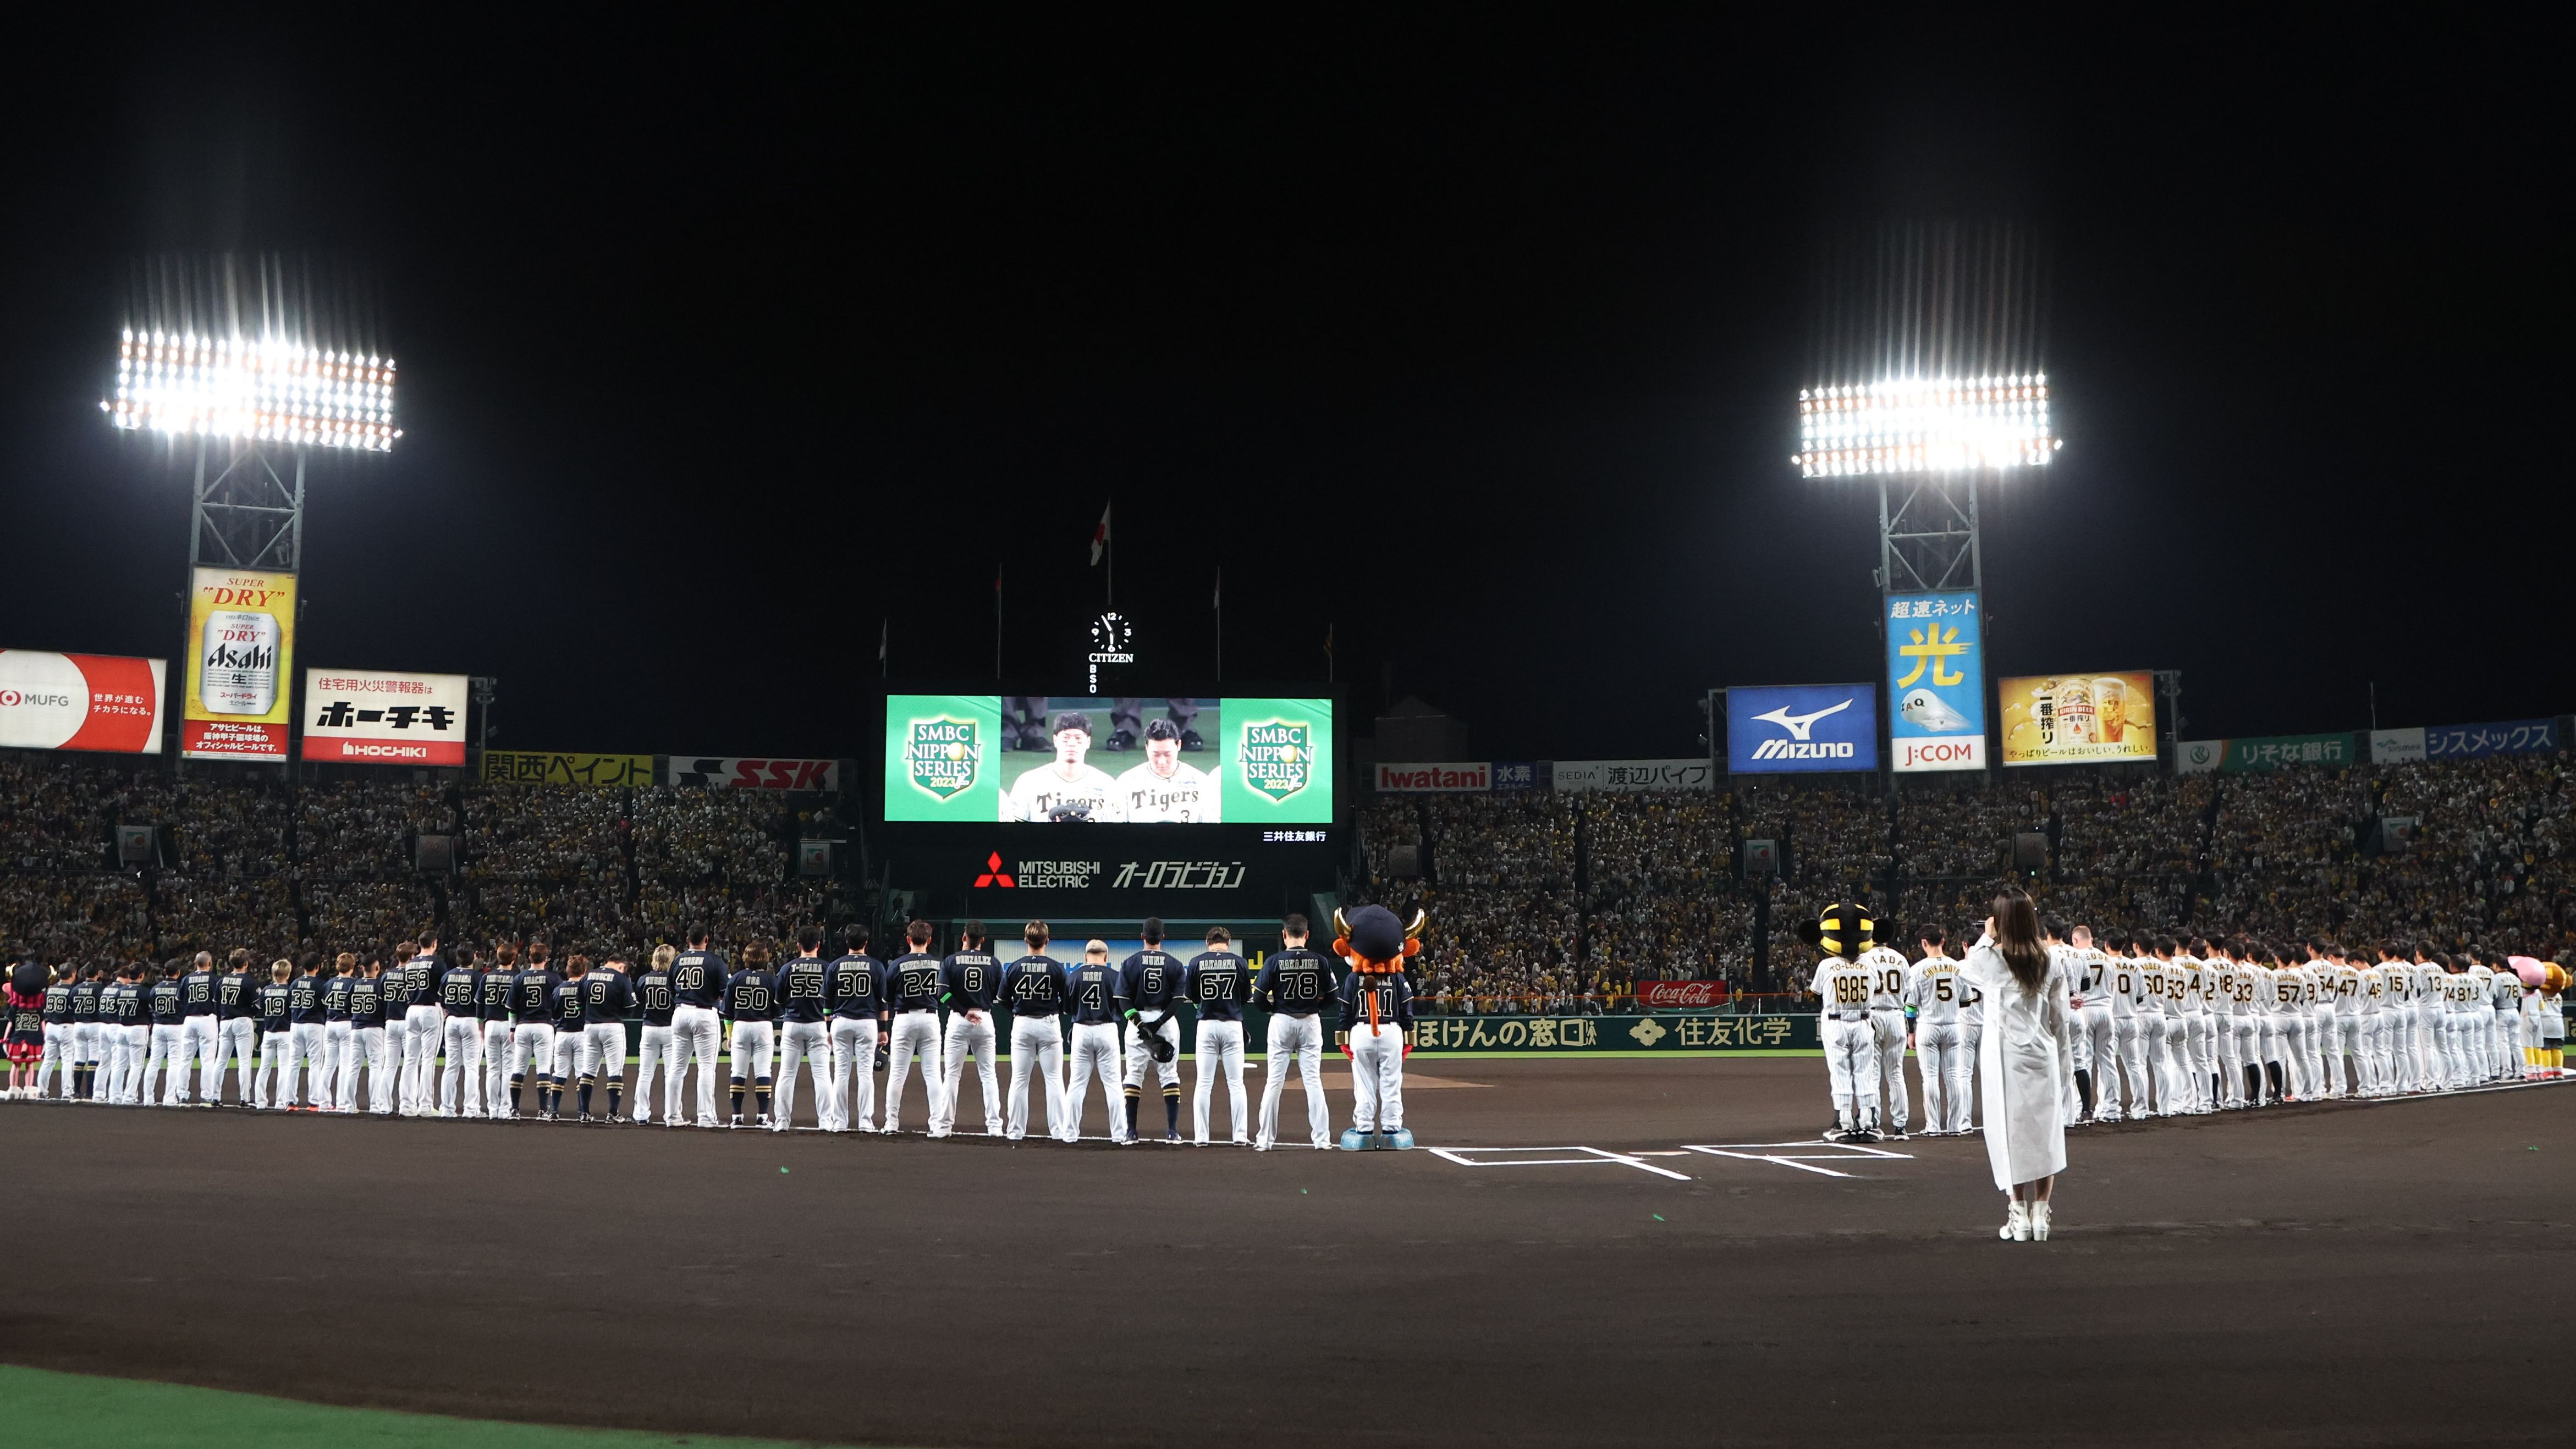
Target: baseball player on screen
pixel 1932 995
pixel 751 1004
pixel 912 998
pixel 856 983
pixel 699 976
pixel 1293 985
pixel 1035 988
pixel 1165 789
pixel 970 987
pixel 1152 978
pixel 1099 1004
pixel 1217 985
pixel 655 1047
pixel 805 1029
pixel 1064 788
pixel 492 1019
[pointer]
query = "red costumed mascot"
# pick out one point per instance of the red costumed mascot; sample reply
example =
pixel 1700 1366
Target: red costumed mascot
pixel 1377 1021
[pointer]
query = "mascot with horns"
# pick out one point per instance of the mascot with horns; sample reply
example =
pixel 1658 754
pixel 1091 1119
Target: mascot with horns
pixel 1377 1019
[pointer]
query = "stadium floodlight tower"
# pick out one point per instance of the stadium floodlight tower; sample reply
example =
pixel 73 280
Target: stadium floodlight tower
pixel 269 401
pixel 1927 442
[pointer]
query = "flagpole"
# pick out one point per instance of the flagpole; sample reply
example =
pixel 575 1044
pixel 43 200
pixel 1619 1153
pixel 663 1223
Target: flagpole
pixel 1220 623
pixel 1111 544
pixel 997 621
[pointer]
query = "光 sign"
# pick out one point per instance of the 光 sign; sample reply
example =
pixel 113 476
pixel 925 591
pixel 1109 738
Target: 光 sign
pixel 1801 728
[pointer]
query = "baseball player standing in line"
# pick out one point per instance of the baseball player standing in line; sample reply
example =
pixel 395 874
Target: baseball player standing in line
pixel 1932 1001
pixel 2374 1025
pixel 161 1001
pixel 2095 1046
pixel 655 1047
pixel 1843 1023
pixel 2226 1079
pixel 2428 1019
pixel 492 1017
pixel 699 976
pixel 606 1003
pixel 368 1010
pixel 1152 978
pixel 423 1024
pixel 338 1059
pixel 1216 984
pixel 1293 985
pixel 567 1008
pixel 751 1004
pixel 56 1069
pixel 307 1023
pixel 1888 974
pixel 197 1037
pixel 123 1006
pixel 805 1029
pixel 89 1050
pixel 1035 987
pixel 532 1025
pixel 2349 1058
pixel 236 1029
pixel 276 1034
pixel 856 983
pixel 970 987
pixel 912 996
pixel 460 1000
pixel 1377 1025
pixel 2198 1036
pixel 1099 1004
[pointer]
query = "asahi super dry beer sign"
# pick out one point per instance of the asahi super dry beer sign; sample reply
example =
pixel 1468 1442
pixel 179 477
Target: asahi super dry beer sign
pixel 241 651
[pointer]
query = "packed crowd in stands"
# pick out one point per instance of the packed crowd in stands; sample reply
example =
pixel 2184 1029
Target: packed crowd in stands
pixel 1550 902
pixel 241 859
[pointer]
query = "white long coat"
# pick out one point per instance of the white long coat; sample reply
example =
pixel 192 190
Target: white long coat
pixel 2022 1067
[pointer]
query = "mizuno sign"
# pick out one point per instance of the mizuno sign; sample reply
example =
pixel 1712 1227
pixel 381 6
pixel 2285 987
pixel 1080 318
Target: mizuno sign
pixel 1805 750
pixel 1800 728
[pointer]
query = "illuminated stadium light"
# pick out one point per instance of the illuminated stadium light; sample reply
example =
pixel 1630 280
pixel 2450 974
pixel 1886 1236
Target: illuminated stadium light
pixel 1925 425
pixel 259 391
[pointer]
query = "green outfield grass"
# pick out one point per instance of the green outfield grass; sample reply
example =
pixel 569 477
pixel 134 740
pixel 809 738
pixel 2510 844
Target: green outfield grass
pixel 65 1411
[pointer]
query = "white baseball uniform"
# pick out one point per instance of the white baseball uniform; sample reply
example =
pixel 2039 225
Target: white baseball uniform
pixel 1850 1039
pixel 1932 990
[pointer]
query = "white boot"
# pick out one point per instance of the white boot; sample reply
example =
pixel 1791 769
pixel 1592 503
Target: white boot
pixel 2016 1228
pixel 2039 1222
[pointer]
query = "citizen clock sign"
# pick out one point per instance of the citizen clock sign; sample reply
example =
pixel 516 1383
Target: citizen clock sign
pixel 1113 641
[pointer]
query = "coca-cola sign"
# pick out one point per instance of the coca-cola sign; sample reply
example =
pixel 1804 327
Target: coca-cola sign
pixel 1670 995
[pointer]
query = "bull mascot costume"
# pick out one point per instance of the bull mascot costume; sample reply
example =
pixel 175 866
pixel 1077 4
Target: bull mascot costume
pixel 1377 1021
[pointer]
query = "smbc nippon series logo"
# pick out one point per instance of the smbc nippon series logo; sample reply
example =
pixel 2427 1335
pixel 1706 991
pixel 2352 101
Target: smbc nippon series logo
pixel 1278 757
pixel 943 754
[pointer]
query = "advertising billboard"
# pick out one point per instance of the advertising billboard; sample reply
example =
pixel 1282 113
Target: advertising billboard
pixel 565 767
pixel 1936 681
pixel 241 652
pixel 2066 719
pixel 1119 761
pixel 726 772
pixel 1435 777
pixel 2499 737
pixel 81 702
pixel 370 717
pixel 1798 729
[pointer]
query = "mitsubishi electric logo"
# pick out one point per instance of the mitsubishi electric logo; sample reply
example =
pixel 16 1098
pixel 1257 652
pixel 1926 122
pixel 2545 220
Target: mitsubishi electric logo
pixel 1798 724
pixel 993 874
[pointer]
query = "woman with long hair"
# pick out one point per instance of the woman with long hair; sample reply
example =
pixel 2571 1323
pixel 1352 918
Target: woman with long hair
pixel 2021 1060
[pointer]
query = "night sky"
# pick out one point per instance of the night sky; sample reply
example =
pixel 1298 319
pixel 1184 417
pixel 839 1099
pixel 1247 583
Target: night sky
pixel 1479 339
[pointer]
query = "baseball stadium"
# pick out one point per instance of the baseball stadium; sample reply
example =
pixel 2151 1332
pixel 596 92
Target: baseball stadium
pixel 1822 778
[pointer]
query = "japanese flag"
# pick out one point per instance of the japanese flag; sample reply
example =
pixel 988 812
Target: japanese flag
pixel 1100 535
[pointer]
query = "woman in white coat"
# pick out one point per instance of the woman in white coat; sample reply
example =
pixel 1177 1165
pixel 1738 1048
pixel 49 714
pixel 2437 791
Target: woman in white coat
pixel 2022 1060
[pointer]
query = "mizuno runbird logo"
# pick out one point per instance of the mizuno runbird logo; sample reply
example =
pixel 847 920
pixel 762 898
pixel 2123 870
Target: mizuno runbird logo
pixel 1798 724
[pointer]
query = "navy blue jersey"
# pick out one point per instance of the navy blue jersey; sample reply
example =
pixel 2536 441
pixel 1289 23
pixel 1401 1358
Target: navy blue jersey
pixel 607 997
pixel 494 1003
pixel 1394 995
pixel 1293 982
pixel 85 1000
pixel 58 1003
pixel 27 1023
pixel 804 990
pixel 698 978
pixel 970 981
pixel 125 1007
pixel 197 991
pixel 1034 986
pixel 1098 996
pixel 751 996
pixel 335 998
pixel 304 1001
pixel 420 980
pixel 912 983
pixel 653 995
pixel 1152 978
pixel 367 1001
pixel 1217 983
pixel 272 1006
pixel 165 1003
pixel 567 1007
pixel 532 994
pixel 236 995
pixel 459 988
pixel 856 984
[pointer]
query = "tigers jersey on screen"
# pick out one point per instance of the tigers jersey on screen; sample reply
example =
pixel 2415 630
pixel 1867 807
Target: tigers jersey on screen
pixel 1888 974
pixel 1045 794
pixel 1188 796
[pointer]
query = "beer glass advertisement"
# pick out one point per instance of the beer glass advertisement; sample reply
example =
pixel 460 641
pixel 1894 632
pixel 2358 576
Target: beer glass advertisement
pixel 2065 719
pixel 1088 759
pixel 1936 682
pixel 241 646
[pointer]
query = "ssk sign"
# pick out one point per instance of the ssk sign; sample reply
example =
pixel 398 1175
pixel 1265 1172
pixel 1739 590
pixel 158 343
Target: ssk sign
pixel 1797 729
pixel 719 772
